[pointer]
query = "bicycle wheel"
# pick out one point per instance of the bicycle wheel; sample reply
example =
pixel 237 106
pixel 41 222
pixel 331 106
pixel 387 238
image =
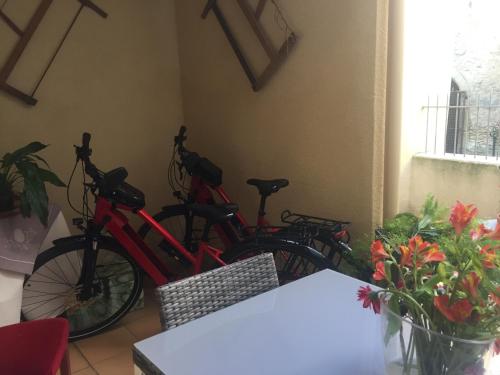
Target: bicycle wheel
pixel 53 288
pixel 176 220
pixel 293 261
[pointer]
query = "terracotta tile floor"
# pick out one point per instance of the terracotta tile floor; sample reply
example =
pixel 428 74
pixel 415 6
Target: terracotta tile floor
pixel 110 353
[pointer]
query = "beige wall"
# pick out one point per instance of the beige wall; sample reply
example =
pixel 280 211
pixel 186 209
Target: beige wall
pixel 319 121
pixel 452 180
pixel 116 78
pixel 420 67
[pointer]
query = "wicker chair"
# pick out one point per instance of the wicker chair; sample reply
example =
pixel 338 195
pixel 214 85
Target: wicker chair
pixel 199 295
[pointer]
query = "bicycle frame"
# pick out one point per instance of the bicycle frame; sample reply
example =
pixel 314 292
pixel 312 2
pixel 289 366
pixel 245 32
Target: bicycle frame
pixel 201 192
pixel 109 216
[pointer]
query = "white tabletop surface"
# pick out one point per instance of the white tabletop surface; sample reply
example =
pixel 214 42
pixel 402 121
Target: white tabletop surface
pixel 312 326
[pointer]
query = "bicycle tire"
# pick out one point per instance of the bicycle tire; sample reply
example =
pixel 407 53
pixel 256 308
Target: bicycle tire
pixel 120 283
pixel 286 256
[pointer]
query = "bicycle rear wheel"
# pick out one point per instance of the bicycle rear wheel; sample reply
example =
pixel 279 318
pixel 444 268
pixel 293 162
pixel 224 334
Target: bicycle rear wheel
pixel 293 261
pixel 185 227
pixel 53 289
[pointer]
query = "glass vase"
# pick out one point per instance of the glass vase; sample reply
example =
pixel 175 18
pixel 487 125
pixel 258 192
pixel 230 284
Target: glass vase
pixel 411 349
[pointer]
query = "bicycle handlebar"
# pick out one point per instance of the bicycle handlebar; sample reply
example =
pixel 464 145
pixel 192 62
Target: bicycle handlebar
pixel 180 137
pixel 83 153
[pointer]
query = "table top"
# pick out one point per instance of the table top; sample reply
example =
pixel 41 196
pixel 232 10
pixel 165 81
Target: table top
pixel 312 326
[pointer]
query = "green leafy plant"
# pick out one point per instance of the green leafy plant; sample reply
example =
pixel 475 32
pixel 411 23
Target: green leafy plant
pixel 21 178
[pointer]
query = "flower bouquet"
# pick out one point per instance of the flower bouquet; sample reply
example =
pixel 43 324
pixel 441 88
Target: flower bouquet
pixel 439 292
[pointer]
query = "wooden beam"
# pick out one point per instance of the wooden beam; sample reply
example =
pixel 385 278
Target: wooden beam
pixel 11 24
pixel 234 44
pixel 273 66
pixel 18 94
pixel 260 8
pixel 23 41
pixel 91 5
pixel 258 29
pixel 208 7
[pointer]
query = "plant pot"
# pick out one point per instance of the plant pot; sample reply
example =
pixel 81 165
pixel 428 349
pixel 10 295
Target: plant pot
pixel 415 350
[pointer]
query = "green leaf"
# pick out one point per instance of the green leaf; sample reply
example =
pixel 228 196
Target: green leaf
pixel 34 190
pixel 39 158
pixel 16 156
pixel 441 269
pixel 50 177
pixel 428 286
pixel 393 322
pixel 424 222
pixel 388 271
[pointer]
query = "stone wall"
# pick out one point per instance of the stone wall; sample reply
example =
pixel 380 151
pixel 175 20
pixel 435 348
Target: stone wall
pixel 476 60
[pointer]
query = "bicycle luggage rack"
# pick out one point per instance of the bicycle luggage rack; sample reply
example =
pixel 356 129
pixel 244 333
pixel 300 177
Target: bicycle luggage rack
pixel 292 218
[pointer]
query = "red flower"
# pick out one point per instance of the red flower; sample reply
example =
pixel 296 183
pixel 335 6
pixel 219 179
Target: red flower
pixel 479 232
pixel 378 252
pixel 417 244
pixel 461 216
pixel 496 347
pixel 489 256
pixel 458 312
pixel 433 254
pixel 426 252
pixel 379 271
pixel 470 283
pixel 369 297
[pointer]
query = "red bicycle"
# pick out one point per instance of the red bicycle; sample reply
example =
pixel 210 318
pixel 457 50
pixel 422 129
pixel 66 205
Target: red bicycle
pixel 94 278
pixel 329 237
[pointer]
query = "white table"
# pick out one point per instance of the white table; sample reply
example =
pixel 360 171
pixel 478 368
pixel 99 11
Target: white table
pixel 313 326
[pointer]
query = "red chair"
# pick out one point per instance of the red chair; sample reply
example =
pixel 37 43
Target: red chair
pixel 38 347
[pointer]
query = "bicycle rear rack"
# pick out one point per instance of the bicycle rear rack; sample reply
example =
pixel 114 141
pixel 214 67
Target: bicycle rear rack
pixel 292 218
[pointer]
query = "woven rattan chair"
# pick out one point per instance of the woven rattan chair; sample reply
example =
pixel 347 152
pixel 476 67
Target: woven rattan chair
pixel 199 295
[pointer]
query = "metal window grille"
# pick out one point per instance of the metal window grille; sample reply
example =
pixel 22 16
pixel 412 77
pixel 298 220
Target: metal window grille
pixel 459 125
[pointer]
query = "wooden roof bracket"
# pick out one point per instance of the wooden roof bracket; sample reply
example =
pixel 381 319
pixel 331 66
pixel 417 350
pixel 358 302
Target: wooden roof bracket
pixel 276 57
pixel 24 38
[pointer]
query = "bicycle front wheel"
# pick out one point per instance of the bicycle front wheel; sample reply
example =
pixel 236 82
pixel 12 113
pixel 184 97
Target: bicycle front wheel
pixel 293 261
pixel 54 288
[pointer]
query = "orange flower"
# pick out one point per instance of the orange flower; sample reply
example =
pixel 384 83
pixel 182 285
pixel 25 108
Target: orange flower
pixel 378 252
pixel 379 271
pixel 406 256
pixel 488 256
pixel 426 252
pixel 458 312
pixel 433 254
pixel 417 244
pixel 479 232
pixel 470 283
pixel 461 216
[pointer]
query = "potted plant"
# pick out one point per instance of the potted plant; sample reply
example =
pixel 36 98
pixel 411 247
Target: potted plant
pixel 439 291
pixel 22 181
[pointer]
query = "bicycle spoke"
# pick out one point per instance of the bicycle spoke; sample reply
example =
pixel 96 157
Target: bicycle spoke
pixel 46 266
pixel 63 274
pixel 43 304
pixel 50 313
pixel 77 274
